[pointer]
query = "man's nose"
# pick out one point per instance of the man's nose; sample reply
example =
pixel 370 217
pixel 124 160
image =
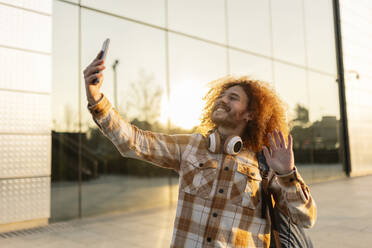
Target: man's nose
pixel 224 99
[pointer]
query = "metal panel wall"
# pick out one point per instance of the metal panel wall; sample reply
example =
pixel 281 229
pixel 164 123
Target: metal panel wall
pixel 25 123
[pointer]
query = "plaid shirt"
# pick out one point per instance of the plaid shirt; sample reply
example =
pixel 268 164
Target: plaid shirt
pixel 219 202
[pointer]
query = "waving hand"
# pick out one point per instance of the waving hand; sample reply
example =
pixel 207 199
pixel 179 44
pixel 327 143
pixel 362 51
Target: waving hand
pixel 281 159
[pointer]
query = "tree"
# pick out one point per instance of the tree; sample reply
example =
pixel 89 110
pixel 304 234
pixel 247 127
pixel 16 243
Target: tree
pixel 146 97
pixel 302 114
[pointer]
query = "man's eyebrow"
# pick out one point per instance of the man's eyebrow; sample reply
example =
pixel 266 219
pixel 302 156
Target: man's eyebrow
pixel 231 94
pixel 235 94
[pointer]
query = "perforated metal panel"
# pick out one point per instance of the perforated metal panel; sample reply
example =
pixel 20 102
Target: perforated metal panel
pixel 25 29
pixel 24 199
pixel 24 113
pixel 36 70
pixel 23 155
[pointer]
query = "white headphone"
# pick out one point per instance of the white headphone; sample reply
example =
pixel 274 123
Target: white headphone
pixel 233 144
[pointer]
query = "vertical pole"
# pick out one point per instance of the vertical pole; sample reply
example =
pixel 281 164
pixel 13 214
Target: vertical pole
pixel 80 125
pixel 341 87
pixel 227 38
pixel 168 90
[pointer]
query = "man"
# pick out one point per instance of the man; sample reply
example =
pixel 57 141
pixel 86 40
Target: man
pixel 220 202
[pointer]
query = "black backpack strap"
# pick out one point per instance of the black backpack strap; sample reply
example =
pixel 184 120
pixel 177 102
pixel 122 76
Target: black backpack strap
pixel 284 232
pixel 266 198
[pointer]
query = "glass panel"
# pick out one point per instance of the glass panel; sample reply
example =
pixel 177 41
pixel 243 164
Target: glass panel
pixel 249 25
pixel 38 5
pixel 320 37
pixel 152 11
pixel 19 27
pixel 140 78
pixel 356 37
pixel 205 19
pixel 324 127
pixel 290 83
pixel 143 46
pixel 65 134
pixel 246 64
pixel 192 64
pixel 288 31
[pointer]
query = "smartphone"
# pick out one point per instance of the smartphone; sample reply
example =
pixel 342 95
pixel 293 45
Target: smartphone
pixel 105 47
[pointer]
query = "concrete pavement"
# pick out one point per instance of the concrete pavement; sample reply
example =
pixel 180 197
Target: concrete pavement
pixel 344 220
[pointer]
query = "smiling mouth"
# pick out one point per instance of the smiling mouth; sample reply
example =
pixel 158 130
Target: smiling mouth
pixel 220 109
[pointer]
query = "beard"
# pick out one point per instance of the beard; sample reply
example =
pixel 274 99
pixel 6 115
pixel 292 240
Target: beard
pixel 226 119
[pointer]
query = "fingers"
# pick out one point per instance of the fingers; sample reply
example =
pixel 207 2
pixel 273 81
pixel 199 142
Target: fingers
pixel 99 55
pixel 97 62
pixel 91 70
pixel 92 78
pixel 282 140
pixel 266 153
pixel 290 142
pixel 277 140
pixel 272 144
pixel 94 64
pixel 94 69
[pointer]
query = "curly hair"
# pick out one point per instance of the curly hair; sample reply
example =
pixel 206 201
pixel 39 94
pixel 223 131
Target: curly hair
pixel 267 109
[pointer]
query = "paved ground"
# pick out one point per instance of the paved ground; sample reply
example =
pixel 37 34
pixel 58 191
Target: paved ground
pixel 344 220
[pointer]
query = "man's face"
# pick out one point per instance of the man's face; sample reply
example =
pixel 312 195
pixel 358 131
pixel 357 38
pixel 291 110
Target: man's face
pixel 230 108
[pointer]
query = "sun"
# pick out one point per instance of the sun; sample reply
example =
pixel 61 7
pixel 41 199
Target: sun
pixel 185 105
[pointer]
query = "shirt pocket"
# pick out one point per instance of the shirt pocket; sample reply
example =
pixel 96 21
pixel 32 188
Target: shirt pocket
pixel 246 186
pixel 198 176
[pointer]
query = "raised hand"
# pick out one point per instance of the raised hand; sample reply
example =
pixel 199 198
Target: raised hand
pixel 91 73
pixel 281 159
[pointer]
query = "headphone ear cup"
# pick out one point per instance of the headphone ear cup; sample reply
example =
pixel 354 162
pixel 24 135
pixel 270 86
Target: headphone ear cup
pixel 233 145
pixel 214 142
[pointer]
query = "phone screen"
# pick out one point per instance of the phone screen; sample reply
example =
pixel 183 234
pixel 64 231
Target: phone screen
pixel 105 47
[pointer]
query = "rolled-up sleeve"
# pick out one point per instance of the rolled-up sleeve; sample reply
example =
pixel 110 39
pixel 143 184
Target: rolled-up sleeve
pixel 293 197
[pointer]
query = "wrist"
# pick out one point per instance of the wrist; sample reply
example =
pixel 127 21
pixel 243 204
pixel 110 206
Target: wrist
pixel 285 172
pixel 95 99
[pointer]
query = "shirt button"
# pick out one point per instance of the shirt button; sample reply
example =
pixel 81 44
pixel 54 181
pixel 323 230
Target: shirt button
pixel 226 168
pixel 201 165
pixel 214 214
pixel 221 191
pixel 209 239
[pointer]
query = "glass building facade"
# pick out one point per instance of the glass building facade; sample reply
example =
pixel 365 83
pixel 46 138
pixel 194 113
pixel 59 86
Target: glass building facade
pixel 161 57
